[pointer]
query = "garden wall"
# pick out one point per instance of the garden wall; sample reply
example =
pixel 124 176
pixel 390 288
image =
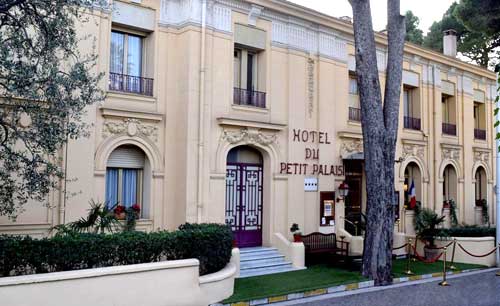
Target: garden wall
pixel 175 283
pixel 474 245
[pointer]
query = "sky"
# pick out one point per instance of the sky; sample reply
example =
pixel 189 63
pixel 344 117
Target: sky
pixel 427 10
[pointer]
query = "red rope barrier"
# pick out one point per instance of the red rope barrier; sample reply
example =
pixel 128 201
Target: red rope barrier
pixel 473 255
pixel 422 259
pixel 439 248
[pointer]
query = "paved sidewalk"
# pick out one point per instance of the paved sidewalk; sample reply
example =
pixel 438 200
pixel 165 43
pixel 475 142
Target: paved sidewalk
pixel 480 288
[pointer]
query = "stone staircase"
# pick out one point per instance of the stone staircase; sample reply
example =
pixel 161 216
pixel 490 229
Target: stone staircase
pixel 263 260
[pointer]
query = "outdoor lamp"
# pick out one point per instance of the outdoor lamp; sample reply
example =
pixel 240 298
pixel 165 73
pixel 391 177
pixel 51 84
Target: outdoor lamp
pixel 343 191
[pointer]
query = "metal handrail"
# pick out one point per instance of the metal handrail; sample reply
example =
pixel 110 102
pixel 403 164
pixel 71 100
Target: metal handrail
pixel 351 223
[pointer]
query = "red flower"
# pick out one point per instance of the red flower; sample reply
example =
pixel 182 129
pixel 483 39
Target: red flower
pixel 119 209
pixel 136 208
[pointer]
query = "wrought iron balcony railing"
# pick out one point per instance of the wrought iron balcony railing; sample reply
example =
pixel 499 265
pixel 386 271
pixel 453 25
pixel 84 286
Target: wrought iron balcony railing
pixel 412 123
pixel 354 114
pixel 480 134
pixel 450 129
pixel 249 97
pixel 130 83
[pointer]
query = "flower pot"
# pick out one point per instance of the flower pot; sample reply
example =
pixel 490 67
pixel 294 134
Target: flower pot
pixel 297 238
pixel 431 253
pixel 120 216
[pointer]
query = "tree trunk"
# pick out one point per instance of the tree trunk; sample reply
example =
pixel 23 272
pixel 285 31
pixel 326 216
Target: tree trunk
pixel 379 124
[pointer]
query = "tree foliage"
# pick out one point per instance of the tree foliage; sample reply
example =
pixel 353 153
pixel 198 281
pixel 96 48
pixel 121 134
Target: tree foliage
pixel 413 33
pixel 45 85
pixel 476 40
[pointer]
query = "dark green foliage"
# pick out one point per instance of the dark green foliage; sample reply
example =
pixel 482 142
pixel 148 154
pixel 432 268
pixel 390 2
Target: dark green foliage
pixel 211 244
pixel 45 78
pixel 100 219
pixel 475 39
pixel 470 231
pixel 427 225
pixel 413 33
pixel 480 15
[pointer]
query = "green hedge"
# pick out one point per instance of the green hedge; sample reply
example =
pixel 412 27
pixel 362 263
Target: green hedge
pixel 211 244
pixel 470 231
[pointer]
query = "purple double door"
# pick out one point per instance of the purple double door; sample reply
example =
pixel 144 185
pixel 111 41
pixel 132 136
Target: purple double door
pixel 244 199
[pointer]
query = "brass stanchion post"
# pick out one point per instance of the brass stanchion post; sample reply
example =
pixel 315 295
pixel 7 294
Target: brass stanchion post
pixel 498 246
pixel 408 271
pixel 453 254
pixel 444 282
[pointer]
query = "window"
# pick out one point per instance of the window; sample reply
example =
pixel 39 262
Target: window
pixel 411 109
pixel 125 177
pixel 354 107
pixel 448 118
pixel 479 121
pixel 246 78
pixel 126 60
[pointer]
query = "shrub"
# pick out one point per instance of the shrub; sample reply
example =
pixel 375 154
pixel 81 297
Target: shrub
pixel 470 231
pixel 210 243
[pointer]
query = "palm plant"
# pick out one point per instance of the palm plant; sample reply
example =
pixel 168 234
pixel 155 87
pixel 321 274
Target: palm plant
pixel 100 219
pixel 427 226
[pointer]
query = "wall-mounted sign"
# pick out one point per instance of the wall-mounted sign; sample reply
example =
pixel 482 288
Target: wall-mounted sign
pixel 312 155
pixel 310 184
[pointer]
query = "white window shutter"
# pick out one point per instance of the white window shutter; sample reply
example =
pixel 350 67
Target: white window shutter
pixel 126 157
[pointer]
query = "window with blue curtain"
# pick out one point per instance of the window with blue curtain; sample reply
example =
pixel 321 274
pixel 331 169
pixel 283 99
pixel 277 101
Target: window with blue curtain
pixel 111 187
pixel 122 186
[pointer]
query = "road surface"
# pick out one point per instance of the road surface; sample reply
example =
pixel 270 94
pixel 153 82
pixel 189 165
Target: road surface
pixel 472 289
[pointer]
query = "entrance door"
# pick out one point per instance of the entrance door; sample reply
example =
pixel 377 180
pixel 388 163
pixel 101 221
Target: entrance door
pixel 244 196
pixel 353 205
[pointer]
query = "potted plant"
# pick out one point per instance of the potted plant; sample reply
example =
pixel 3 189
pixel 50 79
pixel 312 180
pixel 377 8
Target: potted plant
pixel 119 212
pixel 295 230
pixel 136 209
pixel 427 224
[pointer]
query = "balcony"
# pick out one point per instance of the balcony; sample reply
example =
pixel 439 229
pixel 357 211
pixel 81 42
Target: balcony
pixel 480 134
pixel 412 123
pixel 131 84
pixel 450 129
pixel 354 114
pixel 249 98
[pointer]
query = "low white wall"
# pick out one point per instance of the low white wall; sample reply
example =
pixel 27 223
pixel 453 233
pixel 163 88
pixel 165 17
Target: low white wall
pixel 293 251
pixel 175 283
pixel 477 246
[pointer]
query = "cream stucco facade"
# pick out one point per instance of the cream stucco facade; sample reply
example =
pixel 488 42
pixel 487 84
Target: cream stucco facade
pixel 300 117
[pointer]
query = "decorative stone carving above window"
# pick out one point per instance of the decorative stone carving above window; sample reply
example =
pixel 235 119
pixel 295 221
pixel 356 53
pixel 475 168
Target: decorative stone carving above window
pixel 130 127
pixel 413 150
pixel 451 153
pixel 248 136
pixel 350 146
pixel 481 156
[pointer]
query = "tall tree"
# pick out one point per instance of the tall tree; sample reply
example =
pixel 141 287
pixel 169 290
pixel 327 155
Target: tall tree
pixel 45 85
pixel 379 123
pixel 477 38
pixel 480 15
pixel 413 33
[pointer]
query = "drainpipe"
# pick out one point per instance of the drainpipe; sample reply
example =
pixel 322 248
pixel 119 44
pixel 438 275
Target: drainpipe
pixel 201 119
pixel 497 176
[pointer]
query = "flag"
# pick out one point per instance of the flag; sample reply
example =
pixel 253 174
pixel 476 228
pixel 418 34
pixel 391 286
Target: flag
pixel 413 195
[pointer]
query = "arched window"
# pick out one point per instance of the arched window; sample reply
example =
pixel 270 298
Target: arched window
pixel 450 183
pixel 125 177
pixel 413 179
pixel 480 185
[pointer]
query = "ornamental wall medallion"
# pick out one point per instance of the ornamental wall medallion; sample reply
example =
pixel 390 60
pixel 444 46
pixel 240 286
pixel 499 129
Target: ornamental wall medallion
pixel 248 136
pixel 130 127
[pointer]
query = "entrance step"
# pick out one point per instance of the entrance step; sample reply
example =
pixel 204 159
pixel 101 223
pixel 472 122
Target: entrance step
pixel 263 260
